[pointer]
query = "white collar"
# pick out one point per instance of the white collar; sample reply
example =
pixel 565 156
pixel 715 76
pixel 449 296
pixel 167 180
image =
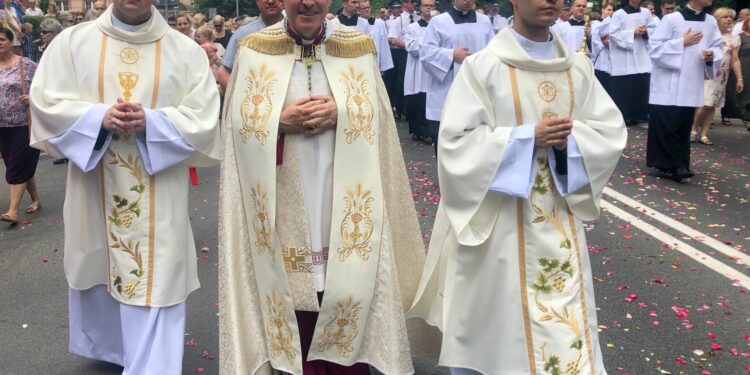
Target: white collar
pixel 124 26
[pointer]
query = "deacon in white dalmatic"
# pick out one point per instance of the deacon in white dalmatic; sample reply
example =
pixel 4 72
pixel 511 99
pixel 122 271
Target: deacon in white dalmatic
pixel 528 142
pixel 686 48
pixel 130 102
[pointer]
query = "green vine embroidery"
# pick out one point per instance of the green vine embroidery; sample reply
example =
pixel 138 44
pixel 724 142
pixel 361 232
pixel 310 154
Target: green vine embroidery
pixel 121 216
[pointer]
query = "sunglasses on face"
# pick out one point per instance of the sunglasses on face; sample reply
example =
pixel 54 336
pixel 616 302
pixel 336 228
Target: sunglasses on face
pixel 45 32
pixel 218 26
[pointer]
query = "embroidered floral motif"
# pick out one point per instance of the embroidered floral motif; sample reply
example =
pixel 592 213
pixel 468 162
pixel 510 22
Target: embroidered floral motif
pixel 343 327
pixel 279 334
pixel 359 109
pixel 121 217
pixel 261 221
pixel 357 225
pixel 256 107
pixel 555 277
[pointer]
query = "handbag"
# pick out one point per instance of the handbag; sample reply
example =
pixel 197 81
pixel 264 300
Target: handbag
pixel 23 92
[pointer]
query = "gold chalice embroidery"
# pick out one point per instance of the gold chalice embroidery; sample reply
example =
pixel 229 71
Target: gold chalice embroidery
pixel 280 335
pixel 357 225
pixel 359 109
pixel 261 221
pixel 256 107
pixel 127 82
pixel 342 328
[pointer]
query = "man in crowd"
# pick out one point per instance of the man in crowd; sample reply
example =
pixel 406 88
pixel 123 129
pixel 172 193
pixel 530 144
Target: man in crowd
pixel 528 143
pixel 365 11
pixel 564 12
pixel 741 17
pixel 574 29
pixel 349 16
pixel 396 32
pixel 66 19
pixel 668 7
pixel 319 238
pixel 631 72
pixel 685 47
pixel 496 19
pixel 270 14
pixel 98 8
pixel 32 10
pixel 449 39
pixel 391 77
pixel 417 81
pixel 383 14
pixel 131 103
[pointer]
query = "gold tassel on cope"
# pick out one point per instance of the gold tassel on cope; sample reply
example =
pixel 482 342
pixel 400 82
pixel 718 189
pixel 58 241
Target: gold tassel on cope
pixel 349 44
pixel 269 42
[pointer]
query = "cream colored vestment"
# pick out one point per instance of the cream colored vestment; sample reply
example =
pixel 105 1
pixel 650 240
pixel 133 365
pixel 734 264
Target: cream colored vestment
pixel 507 280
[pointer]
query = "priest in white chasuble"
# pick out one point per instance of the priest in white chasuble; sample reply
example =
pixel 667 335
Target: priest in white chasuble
pixel 320 248
pixel 130 102
pixel 686 47
pixel 528 141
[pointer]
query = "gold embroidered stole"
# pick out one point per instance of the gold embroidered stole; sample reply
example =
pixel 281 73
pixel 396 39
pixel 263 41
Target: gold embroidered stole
pixel 130 72
pixel 357 220
pixel 551 277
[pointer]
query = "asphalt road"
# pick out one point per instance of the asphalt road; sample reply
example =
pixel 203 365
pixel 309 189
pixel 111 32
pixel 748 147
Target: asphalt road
pixel 671 277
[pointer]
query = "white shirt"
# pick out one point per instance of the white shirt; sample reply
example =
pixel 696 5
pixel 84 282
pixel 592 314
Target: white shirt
pixel 398 25
pixel 34 12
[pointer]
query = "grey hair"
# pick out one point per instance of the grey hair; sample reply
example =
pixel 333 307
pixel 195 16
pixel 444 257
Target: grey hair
pixel 52 25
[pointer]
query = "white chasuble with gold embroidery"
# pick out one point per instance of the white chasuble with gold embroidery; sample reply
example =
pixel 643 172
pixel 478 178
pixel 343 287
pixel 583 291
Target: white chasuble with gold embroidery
pixel 274 234
pixel 124 227
pixel 508 280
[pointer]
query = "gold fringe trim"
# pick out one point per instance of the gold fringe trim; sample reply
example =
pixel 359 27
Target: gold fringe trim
pixel 271 41
pixel 349 44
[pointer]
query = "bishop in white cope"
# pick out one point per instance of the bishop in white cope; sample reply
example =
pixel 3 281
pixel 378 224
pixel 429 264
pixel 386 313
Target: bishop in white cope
pixel 528 141
pixel 449 39
pixel 318 235
pixel 130 102
pixel 629 33
pixel 685 48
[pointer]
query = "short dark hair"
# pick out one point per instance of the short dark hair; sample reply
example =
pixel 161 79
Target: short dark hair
pixel 665 2
pixel 7 32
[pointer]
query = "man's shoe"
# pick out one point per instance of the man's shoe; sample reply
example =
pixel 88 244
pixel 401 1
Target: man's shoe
pixel 60 161
pixel 682 173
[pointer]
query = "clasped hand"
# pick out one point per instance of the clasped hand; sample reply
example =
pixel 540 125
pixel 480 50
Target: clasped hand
pixel 311 115
pixel 125 118
pixel 552 132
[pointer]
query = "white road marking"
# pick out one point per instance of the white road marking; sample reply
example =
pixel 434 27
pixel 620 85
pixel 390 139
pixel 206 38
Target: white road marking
pixel 699 256
pixel 690 232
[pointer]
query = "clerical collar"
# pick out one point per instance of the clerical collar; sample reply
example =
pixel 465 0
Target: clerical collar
pixel 422 23
pixel 690 14
pixel 307 44
pixel 574 22
pixel 124 26
pixel 460 16
pixel 629 9
pixel 348 21
pixel 536 50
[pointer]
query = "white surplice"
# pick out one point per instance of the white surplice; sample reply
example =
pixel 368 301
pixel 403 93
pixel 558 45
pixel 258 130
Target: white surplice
pixel 436 53
pixel 498 22
pixel 362 25
pixel 507 278
pixel 600 53
pixel 627 49
pixel 571 35
pixel 379 35
pixel 415 80
pixel 679 70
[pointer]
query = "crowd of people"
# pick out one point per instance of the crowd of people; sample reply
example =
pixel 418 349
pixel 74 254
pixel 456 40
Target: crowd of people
pixel 320 247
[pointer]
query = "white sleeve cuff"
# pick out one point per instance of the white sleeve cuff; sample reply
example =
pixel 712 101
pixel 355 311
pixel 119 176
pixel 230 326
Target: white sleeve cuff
pixel 576 177
pixel 161 146
pixel 515 175
pixel 77 144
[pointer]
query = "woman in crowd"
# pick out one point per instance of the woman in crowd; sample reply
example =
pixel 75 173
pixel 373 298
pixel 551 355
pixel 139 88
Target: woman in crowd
pixel 221 34
pixel 741 53
pixel 714 91
pixel 52 11
pixel 20 159
pixel 185 26
pixel 15 26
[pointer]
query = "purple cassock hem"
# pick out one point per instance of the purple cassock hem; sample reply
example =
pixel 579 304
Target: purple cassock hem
pixel 306 321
